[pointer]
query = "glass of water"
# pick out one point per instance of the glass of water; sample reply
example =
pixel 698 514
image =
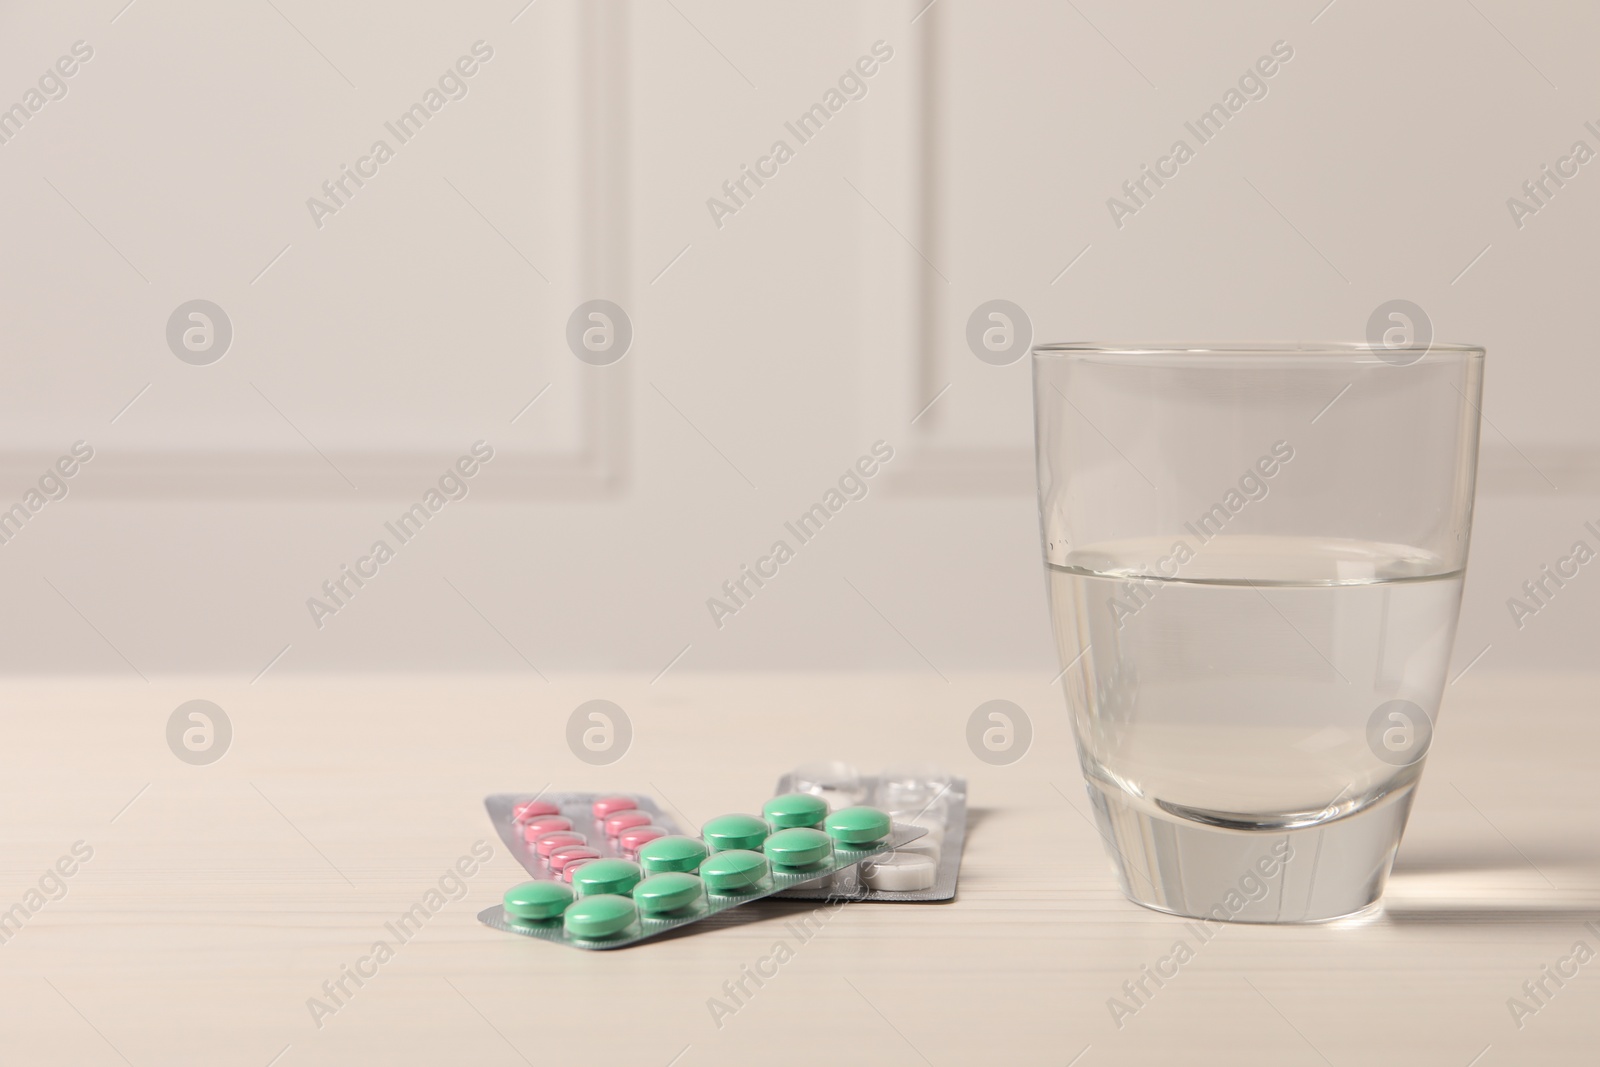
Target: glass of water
pixel 1255 556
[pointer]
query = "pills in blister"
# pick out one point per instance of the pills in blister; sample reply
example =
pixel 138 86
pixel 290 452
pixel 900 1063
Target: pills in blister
pixel 794 809
pixel 562 858
pixel 533 829
pixel 619 821
pixel 545 844
pixel 899 872
pixel 601 915
pixel 604 806
pixel 798 846
pixel 917 786
pixel 532 809
pixel 734 831
pixel 605 876
pixel 670 891
pixel 839 784
pixel 634 837
pixel 922 846
pixel 857 826
pixel 570 870
pixel 537 900
pixel 637 875
pixel 920 797
pixel 672 853
pixel 733 871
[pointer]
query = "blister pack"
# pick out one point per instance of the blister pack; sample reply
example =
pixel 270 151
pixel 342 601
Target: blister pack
pixel 521 819
pixel 608 872
pixel 917 795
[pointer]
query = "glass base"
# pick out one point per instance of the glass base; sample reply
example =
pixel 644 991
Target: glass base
pixel 1313 873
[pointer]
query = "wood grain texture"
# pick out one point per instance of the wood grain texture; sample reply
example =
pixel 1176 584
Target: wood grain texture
pixel 219 900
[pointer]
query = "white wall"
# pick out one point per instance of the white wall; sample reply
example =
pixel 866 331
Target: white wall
pixel 768 354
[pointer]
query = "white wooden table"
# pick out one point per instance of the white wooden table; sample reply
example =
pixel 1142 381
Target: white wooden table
pixel 219 898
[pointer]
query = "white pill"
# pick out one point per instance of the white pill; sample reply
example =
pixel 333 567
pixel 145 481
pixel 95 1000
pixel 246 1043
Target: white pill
pixel 899 872
pixel 914 784
pixel 826 774
pixel 840 798
pixel 922 846
pixel 834 781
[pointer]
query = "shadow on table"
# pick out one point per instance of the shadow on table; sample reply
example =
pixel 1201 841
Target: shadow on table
pixel 977 816
pixel 765 910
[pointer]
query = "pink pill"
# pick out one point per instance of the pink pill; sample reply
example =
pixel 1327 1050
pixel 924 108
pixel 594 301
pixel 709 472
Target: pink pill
pixel 619 821
pixel 545 844
pixel 532 809
pixel 543 825
pixel 634 836
pixel 562 858
pixel 572 868
pixel 604 806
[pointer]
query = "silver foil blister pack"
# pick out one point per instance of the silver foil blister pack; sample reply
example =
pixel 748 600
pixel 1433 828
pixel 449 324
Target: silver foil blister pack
pixel 918 795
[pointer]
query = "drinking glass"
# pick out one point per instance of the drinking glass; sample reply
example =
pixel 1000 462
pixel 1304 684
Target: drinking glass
pixel 1255 556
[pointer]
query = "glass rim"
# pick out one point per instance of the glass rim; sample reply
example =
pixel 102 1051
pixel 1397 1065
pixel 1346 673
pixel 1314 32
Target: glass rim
pixel 1355 351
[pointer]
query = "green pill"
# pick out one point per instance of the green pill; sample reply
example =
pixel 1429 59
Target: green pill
pixel 672 853
pixel 605 876
pixel 537 900
pixel 798 846
pixel 735 831
pixel 795 809
pixel 857 826
pixel 734 871
pixel 666 892
pixel 601 915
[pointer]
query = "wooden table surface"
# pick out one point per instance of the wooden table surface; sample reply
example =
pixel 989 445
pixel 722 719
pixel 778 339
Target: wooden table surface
pixel 219 898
